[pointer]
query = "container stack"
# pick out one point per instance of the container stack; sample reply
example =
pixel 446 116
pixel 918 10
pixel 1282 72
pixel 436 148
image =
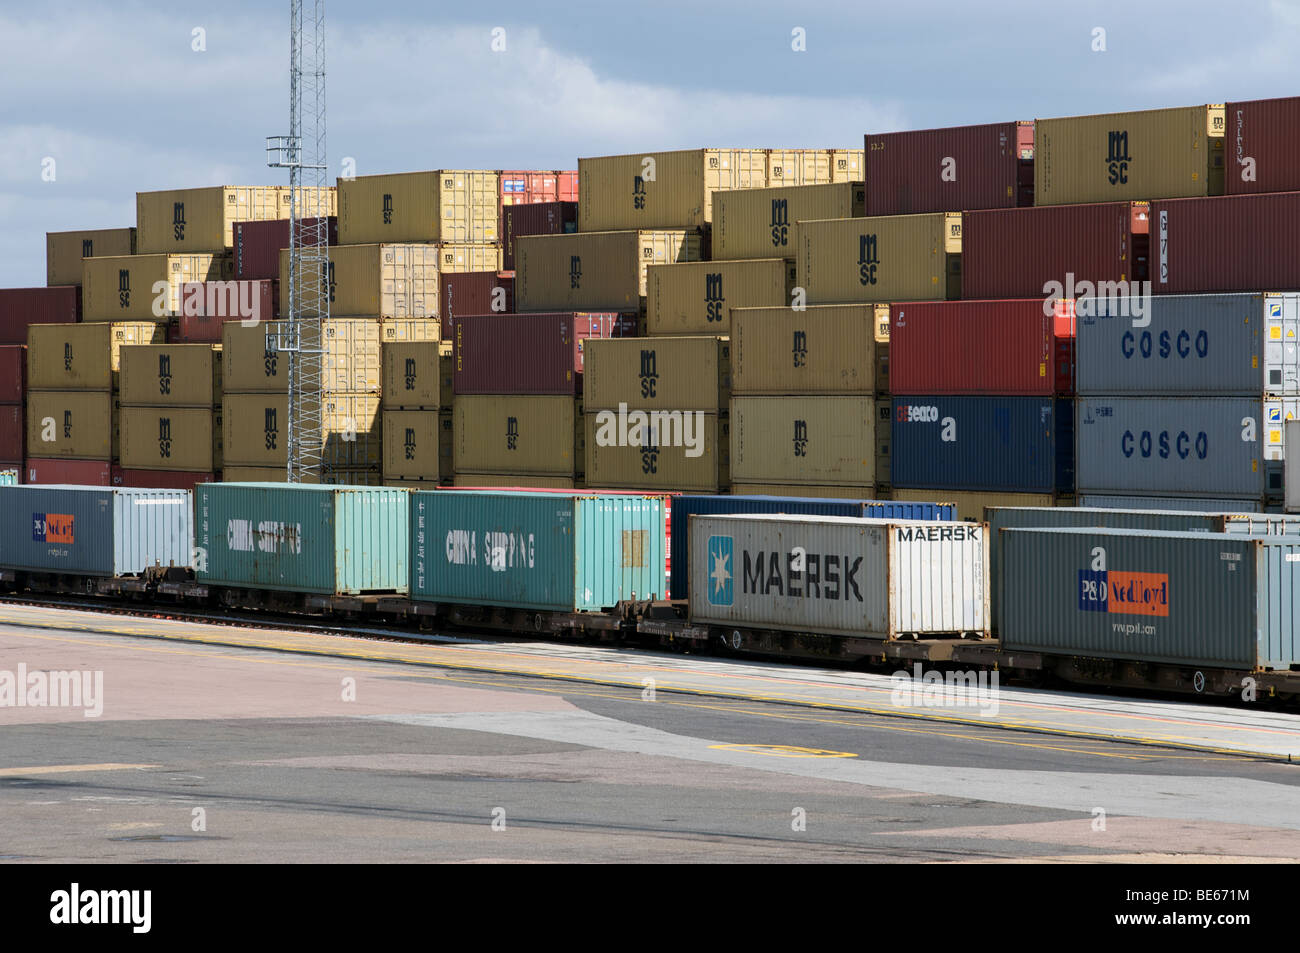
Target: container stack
pixel 417 405
pixel 13 411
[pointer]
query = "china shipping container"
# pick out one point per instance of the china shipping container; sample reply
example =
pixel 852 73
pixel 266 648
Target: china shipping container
pixel 539 551
pixel 202 220
pixel 696 297
pixel 693 453
pixel 332 540
pixel 379 281
pixel 1019 253
pixel 594 271
pixel 860 578
pixel 524 353
pixel 13 424
pixel 831 349
pixel 760 223
pixel 13 373
pixel 662 190
pixel 417 376
pixel 889 258
pixel 81 424
pixel 1262 146
pixel 257 245
pixel 83 356
pixel 1130 156
pixel 94 531
pixel 544 218
pixel 538 187
pixel 1007 444
pixel 37 470
pixel 1197 504
pixel 475 292
pixel 815 440
pixel 940 170
pixel 23 307
pixel 663 373
pixel 144 287
pixel 207 305
pixel 165 479
pixel 418 445
pixel 445 205
pixel 64 251
pixel 255 430
pixel 1227 344
pixel 503 434
pixel 1214 601
pixel 1228 243
pixel 171 375
pixel 170 438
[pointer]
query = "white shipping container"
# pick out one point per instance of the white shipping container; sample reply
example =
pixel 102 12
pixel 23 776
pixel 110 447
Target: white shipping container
pixel 836 575
pixel 1291 475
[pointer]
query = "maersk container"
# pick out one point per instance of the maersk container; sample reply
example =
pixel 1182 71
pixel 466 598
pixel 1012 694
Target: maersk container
pixel 557 552
pixel 95 531
pixel 1195 599
pixel 837 575
pixel 1011 444
pixel 686 506
pixel 1173 345
pixel 331 539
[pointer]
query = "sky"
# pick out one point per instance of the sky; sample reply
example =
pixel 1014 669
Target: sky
pixel 131 96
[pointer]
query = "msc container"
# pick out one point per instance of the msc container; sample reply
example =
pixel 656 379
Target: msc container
pixel 330 475
pixel 207 305
pixel 202 220
pixel 803 440
pixel 257 245
pixel 1020 253
pixel 1214 601
pixel 837 575
pixel 694 298
pixel 1183 503
pixel 80 472
pixel 1261 146
pixel 964 167
pixel 524 353
pixel 659 190
pixel 1229 344
pixel 538 187
pixel 539 551
pixel 171 438
pixel 254 428
pixel 508 434
pixel 377 281
pixel 475 292
pixel 690 451
pixel 594 271
pixel 482 481
pixel 22 307
pixel 1116 157
pixel 823 349
pixel 64 251
pixel 397 330
pixel 332 540
pixel 171 375
pixel 759 223
pixel 1229 243
pixel 794 167
pixel 897 257
pixel 351 363
pixel 83 356
pixel 542 218
pixel 92 530
pixel 807 489
pixel 1010 444
pixel 445 205
pixel 418 445
pixel 144 287
pixel 417 375
pixel 13 373
pixel 665 373
pixel 165 479
pixel 80 424
pixel 13 425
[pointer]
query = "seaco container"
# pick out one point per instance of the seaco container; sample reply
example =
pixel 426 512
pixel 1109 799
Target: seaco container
pixel 98 531
pixel 1206 600
pixel 938 170
pixel 836 575
pixel 22 307
pixel 524 353
pixel 475 292
pixel 539 551
pixel 257 245
pixel 1262 146
pixel 64 251
pixel 1228 243
pixel 538 218
pixel 305 538
pixel 827 349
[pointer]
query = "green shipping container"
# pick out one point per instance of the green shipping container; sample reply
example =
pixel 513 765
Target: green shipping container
pixel 550 551
pixel 8 477
pixel 302 537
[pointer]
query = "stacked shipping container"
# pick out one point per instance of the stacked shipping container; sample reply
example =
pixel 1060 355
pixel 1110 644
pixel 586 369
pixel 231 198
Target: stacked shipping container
pixel 170 412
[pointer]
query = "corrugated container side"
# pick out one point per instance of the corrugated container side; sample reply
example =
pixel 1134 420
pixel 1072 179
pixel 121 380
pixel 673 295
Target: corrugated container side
pixel 165 479
pixel 1227 243
pixel 202 220
pixel 623 454
pixel 145 287
pixel 694 298
pixel 1198 504
pixel 80 472
pixel 443 205
pixel 818 491
pixel 380 281
pixel 257 245
pixel 662 189
pixel 206 305
pixel 888 258
pixel 594 271
pixel 529 481
pixel 171 438
pixel 417 445
pixel 23 307
pixel 538 187
pixel 524 353
pixel 663 373
pixel 13 429
pixel 475 292
pixel 759 223
pixel 83 356
pixel 77 424
pixel 541 218
pixel 503 434
pixel 829 440
pixel 13 373
pixel 1262 146
pixel 417 375
pixel 939 170
pixel 823 349
pixel 255 425
pixel 171 375
pixel 64 251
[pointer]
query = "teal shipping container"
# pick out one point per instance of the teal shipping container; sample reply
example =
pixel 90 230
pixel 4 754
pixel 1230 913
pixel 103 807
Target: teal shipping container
pixel 8 477
pixel 332 540
pixel 549 551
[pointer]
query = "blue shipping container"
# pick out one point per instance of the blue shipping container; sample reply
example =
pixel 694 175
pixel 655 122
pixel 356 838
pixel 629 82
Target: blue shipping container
pixel 1002 444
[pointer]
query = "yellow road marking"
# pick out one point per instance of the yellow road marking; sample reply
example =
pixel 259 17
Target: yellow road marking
pixel 68 769
pixel 785 751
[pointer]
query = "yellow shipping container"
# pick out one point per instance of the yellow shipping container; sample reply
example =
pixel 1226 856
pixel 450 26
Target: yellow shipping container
pixel 348 477
pixel 759 223
pixel 883 258
pixel 884 437
pixel 529 480
pixel 824 349
pixel 454 259
pixel 410 329
pixel 171 375
pixel 806 489
pixel 814 440
pixel 848 165
pixel 668 373
pixel 694 459
pixel 790 167
pixel 256 430
pixel 970 506
pixel 694 298
pixel 1134 156
pixel 64 251
pixel 144 287
pixel 171 438
pixel 594 271
pixel 418 445
pixel 74 424
pixel 659 190
pixel 352 362
pixel 517 434
pixel 417 375
pixel 377 281
pixel 202 220
pixel 83 356
pixel 446 205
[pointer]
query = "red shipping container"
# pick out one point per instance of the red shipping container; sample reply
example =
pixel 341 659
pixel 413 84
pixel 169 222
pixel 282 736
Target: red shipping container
pixel 20 307
pixel 525 353
pixel 1224 244
pixel 1262 146
pixel 164 479
pixel 13 376
pixel 1021 252
pixel 527 186
pixel 257 246
pixel 207 305
pixel 78 472
pixel 950 170
pixel 543 218
pixel 13 425
pixel 474 292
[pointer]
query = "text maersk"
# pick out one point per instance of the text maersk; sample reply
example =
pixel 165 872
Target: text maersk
pixel 823 576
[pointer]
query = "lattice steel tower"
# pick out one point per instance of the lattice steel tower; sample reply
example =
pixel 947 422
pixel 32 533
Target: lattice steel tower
pixel 298 335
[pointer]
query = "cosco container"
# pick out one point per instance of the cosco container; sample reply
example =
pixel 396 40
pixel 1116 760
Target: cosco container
pixel 22 307
pixel 695 298
pixel 144 287
pixel 1194 599
pixel 64 251
pixel 509 434
pixel 537 551
pixel 887 258
pixel 381 281
pixel 171 375
pixel 257 245
pixel 92 530
pixel 475 292
pixel 829 349
pixel 541 218
pixel 651 190
pixel 657 450
pixel 524 353
pixel 835 575
pixel 664 373
pixel 83 356
pixel 1229 243
pixel 202 220
pixel 815 440
pixel 1262 146
pixel 446 205
pixel 331 540
pixel 759 223
pixel 1008 444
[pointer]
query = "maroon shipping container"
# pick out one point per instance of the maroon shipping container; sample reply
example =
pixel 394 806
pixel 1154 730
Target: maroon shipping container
pixel 80 472
pixel 543 218
pixel 1226 243
pixel 13 424
pixel 207 305
pixel 950 170
pixel 20 307
pixel 1262 146
pixel 163 479
pixel 13 376
pixel 257 246
pixel 1016 253
pixel 474 292
pixel 529 186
